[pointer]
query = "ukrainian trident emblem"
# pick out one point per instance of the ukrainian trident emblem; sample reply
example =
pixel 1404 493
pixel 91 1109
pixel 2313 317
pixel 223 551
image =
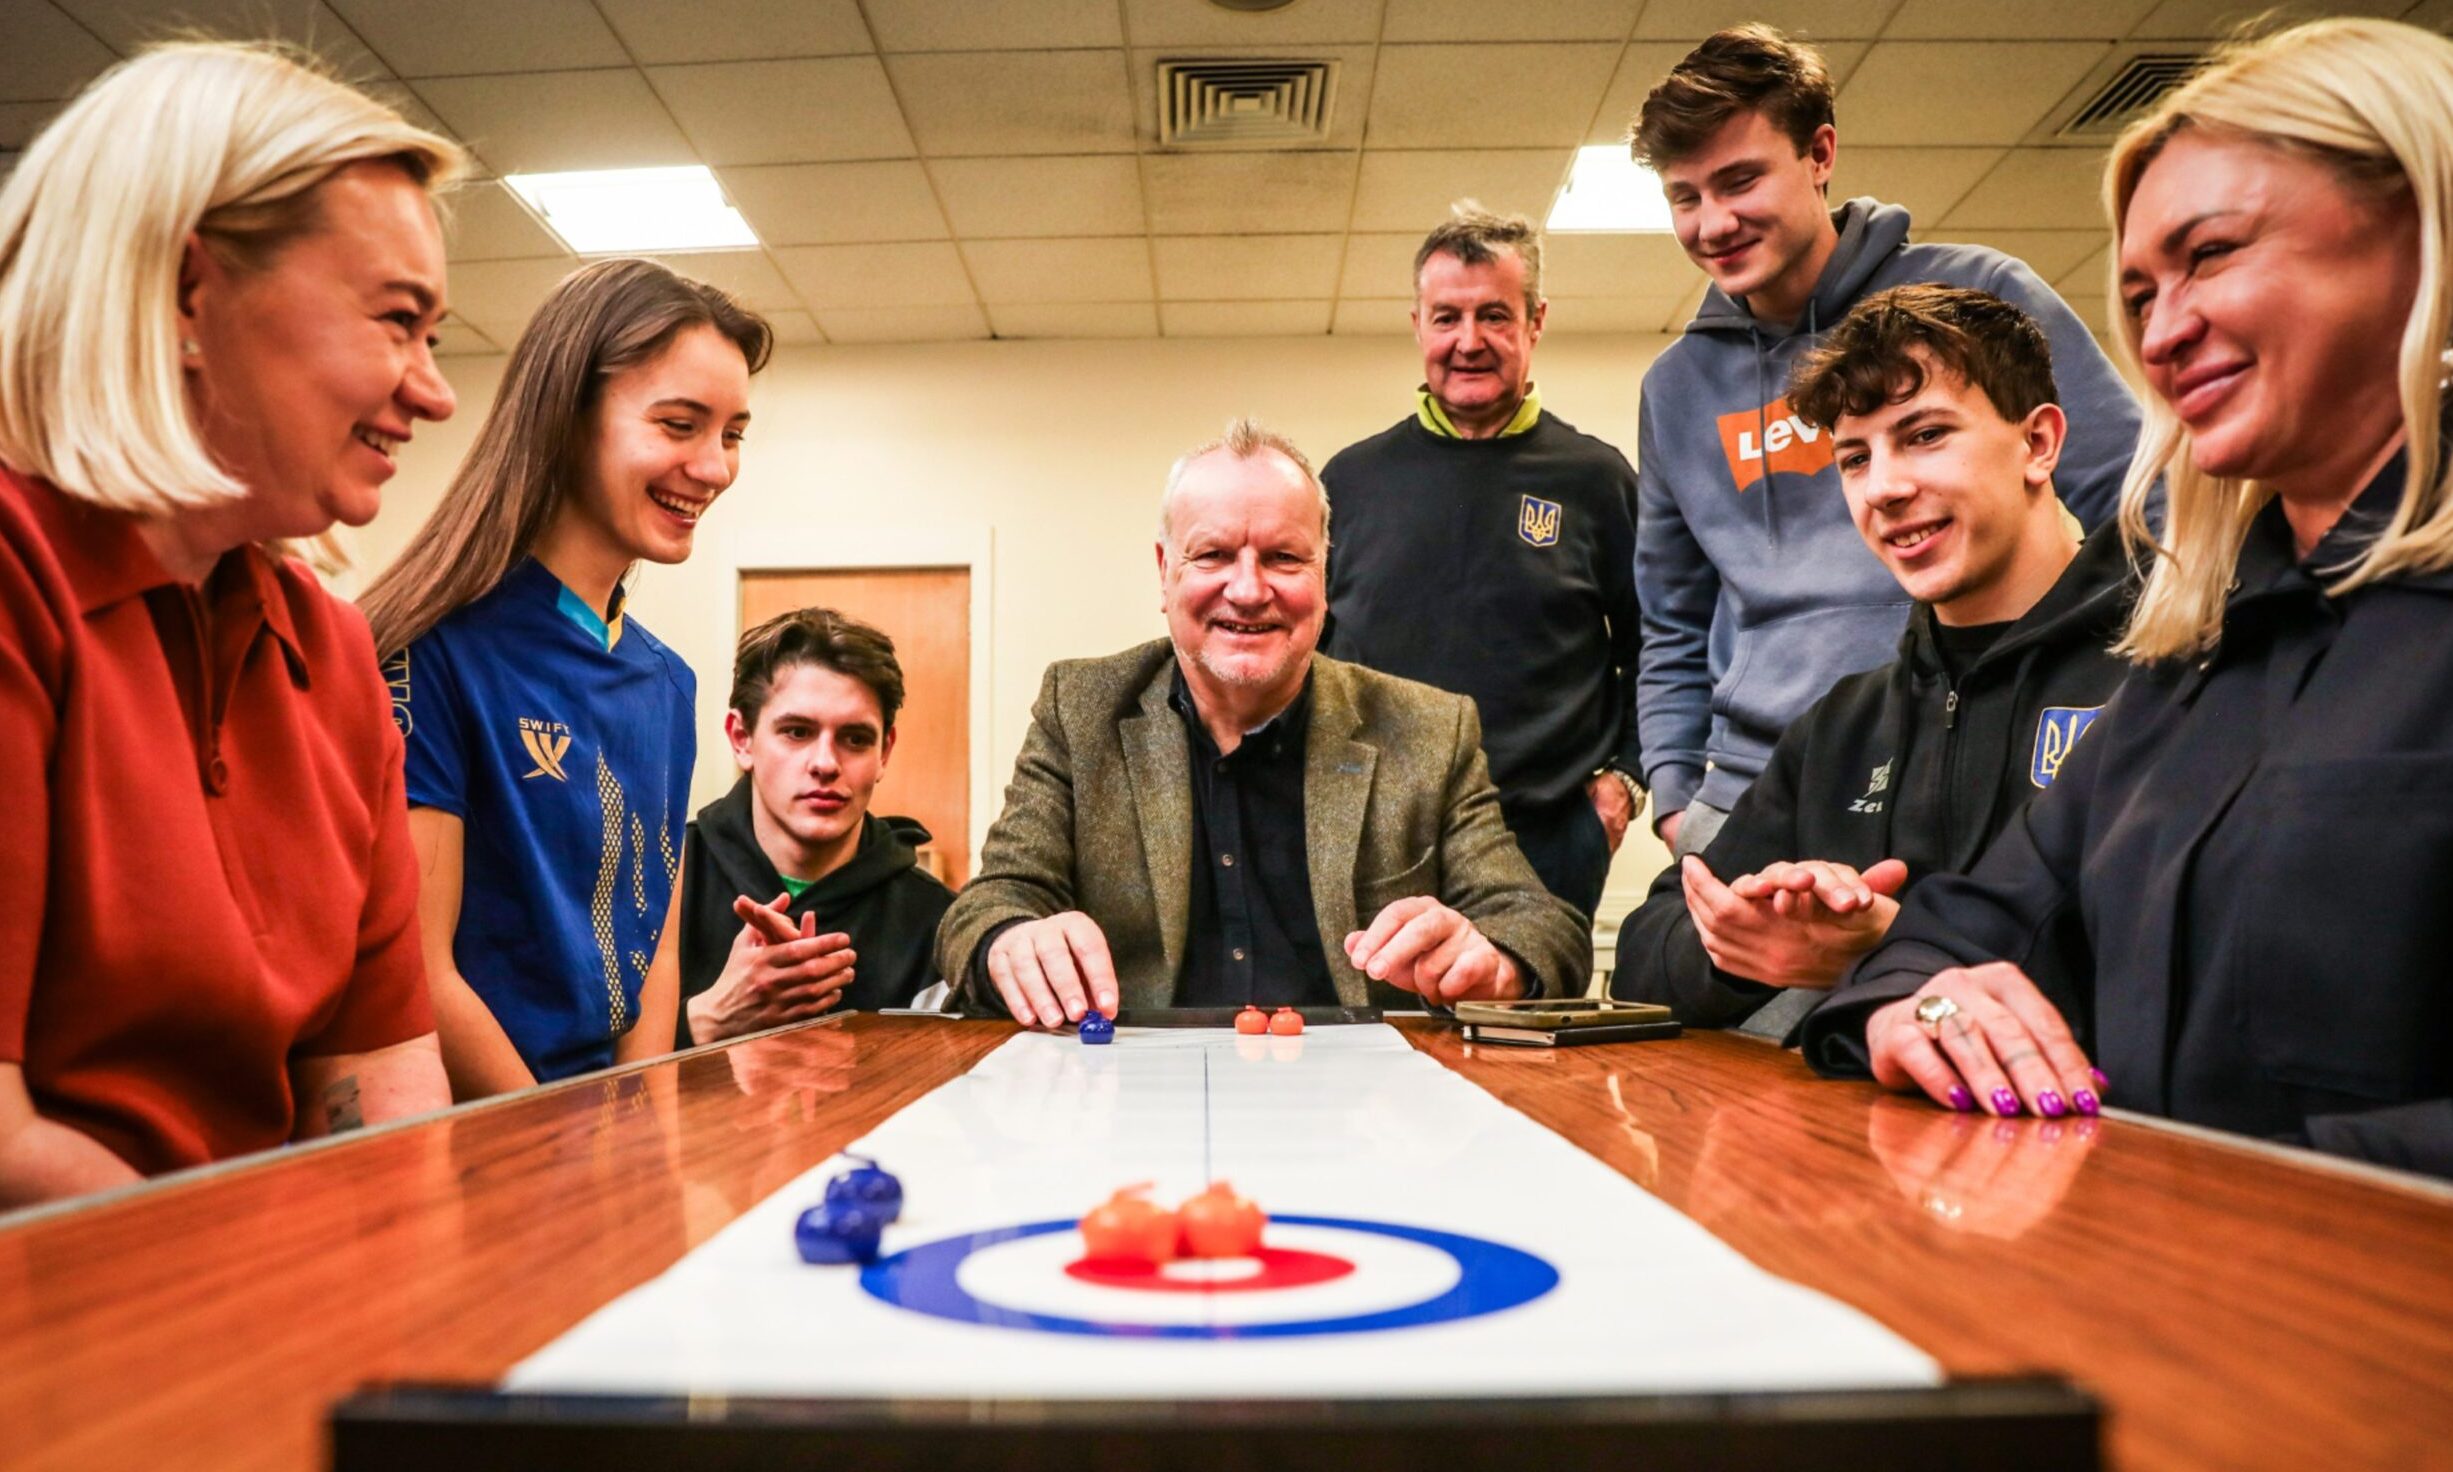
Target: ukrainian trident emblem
pixel 1538 522
pixel 2057 733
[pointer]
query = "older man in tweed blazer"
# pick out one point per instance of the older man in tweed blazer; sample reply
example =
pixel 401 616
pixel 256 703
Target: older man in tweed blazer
pixel 1089 885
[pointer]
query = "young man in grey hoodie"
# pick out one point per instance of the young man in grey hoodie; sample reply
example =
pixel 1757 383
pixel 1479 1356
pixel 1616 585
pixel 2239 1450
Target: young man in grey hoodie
pixel 1757 592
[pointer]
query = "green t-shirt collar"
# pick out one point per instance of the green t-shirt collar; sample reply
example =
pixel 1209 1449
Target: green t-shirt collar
pixel 1427 410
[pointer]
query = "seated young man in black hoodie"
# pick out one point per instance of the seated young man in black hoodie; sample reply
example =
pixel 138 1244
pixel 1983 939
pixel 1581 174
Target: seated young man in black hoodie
pixel 794 901
pixel 1941 404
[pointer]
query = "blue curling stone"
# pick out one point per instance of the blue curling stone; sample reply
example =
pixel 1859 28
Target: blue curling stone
pixel 1096 1028
pixel 837 1233
pixel 873 1190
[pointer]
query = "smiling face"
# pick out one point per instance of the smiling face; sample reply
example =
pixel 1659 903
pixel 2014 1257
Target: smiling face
pixel 2269 301
pixel 1750 210
pixel 1241 577
pixel 1477 335
pixel 1956 500
pixel 310 374
pixel 813 759
pixel 666 442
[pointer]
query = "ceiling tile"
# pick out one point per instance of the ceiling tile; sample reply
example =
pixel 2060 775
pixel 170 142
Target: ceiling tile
pixel 498 297
pixel 1178 23
pixel 1217 268
pixel 1808 20
pixel 1044 272
pixel 1349 96
pixel 395 94
pixel 953 322
pixel 1373 317
pixel 864 277
pixel 835 204
pixel 670 31
pixel 49 55
pixel 1244 319
pixel 131 24
pixel 454 338
pixel 2215 19
pixel 2036 189
pixel 1610 314
pixel 1646 62
pixel 986 103
pixel 1241 193
pixel 20 121
pixel 1960 92
pixel 2087 278
pixel 2435 15
pixel 1520 20
pixel 1925 181
pixel 1009 197
pixel 484 222
pixel 1085 319
pixel 1614 265
pixel 795 329
pixel 542 122
pixel 2051 254
pixel 1412 191
pixel 1380 265
pixel 785 112
pixel 450 38
pixel 747 274
pixel 1487 96
pixel 968 25
pixel 1951 20
pixel 8 164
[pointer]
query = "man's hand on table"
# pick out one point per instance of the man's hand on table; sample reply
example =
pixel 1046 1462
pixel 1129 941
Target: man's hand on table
pixel 1419 945
pixel 1049 972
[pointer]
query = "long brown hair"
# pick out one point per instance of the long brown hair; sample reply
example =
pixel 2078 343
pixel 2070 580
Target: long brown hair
pixel 602 319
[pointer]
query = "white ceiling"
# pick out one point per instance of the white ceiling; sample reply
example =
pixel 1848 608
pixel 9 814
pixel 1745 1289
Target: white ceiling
pixel 946 169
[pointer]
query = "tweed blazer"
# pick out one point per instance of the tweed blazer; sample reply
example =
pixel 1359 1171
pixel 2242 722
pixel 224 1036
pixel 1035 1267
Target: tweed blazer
pixel 1397 800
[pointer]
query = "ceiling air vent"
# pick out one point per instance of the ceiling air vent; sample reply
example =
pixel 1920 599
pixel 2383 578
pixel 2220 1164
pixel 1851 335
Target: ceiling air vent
pixel 1225 101
pixel 2137 86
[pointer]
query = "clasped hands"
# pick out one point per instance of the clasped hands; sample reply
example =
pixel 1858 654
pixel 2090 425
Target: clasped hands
pixel 1049 972
pixel 779 971
pixel 1792 924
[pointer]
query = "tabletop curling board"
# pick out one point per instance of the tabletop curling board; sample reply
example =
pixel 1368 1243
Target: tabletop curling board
pixel 1423 1240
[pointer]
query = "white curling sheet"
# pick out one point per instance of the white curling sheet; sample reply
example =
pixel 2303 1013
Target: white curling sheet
pixel 1435 1200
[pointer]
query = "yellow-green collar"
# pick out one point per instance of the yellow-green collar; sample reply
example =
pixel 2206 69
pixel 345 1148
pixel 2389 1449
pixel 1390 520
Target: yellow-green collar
pixel 1435 419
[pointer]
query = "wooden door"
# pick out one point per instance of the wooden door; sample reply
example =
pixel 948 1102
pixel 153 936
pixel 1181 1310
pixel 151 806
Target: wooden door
pixel 927 612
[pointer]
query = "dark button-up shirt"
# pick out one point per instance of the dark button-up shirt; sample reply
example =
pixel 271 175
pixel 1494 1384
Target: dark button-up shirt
pixel 1252 936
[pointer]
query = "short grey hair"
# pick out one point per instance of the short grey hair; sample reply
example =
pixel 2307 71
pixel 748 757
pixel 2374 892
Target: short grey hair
pixel 1244 439
pixel 1475 236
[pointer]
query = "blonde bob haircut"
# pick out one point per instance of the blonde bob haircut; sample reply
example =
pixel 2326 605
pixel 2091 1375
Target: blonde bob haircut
pixel 219 140
pixel 2373 100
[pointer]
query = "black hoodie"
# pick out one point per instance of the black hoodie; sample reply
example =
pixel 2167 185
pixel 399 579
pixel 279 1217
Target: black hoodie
pixel 881 898
pixel 1900 762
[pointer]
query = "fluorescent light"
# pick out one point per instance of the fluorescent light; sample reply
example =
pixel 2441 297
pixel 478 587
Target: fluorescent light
pixel 1609 190
pixel 612 211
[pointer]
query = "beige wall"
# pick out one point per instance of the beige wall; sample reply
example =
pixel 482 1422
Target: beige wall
pixel 1048 454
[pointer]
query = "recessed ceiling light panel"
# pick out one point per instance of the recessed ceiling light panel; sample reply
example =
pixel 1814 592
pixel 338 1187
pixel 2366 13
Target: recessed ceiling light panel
pixel 618 211
pixel 1608 190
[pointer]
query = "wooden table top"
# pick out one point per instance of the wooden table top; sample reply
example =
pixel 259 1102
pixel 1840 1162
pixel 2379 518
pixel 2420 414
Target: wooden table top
pixel 2233 1308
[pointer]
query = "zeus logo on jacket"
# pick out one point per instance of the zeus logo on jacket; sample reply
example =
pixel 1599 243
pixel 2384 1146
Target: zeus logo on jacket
pixel 1771 436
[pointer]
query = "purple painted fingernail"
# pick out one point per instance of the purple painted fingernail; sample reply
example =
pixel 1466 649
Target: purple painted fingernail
pixel 2086 1101
pixel 2005 1103
pixel 2050 1105
pixel 1961 1099
pixel 2101 1082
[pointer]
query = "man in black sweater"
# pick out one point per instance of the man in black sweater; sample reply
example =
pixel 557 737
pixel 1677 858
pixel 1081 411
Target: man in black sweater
pixel 1484 546
pixel 1941 405
pixel 794 899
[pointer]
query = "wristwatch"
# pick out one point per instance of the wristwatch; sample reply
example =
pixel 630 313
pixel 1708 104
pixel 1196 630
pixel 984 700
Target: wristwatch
pixel 1635 790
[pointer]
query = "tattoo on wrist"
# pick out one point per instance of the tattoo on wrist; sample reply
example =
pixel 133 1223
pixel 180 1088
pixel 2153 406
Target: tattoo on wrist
pixel 341 1111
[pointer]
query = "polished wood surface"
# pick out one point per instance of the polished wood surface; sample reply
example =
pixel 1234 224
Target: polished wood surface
pixel 2235 1309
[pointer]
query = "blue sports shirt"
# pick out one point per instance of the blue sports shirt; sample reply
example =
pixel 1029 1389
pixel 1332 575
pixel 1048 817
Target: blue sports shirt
pixel 563 742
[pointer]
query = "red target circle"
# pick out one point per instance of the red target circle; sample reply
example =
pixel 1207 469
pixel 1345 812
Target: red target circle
pixel 1280 1267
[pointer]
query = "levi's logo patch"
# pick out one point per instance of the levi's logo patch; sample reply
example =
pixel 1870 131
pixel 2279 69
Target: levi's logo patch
pixel 1771 437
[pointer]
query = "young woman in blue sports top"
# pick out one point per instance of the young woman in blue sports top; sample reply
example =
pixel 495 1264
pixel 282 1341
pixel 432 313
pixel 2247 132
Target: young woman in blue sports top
pixel 550 737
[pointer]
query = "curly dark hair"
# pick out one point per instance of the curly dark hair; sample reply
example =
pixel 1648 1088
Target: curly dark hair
pixel 1880 352
pixel 819 636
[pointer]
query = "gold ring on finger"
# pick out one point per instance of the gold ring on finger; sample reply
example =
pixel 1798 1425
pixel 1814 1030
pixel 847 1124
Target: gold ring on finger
pixel 1932 1012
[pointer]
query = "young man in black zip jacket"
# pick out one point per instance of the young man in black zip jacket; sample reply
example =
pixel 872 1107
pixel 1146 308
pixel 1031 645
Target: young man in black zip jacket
pixel 1941 404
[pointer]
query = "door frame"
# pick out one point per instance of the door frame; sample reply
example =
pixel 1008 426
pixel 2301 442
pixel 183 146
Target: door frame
pixel 967 546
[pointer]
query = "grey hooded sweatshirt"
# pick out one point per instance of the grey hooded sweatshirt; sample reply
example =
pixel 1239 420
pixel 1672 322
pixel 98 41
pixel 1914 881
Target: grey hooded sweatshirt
pixel 1758 595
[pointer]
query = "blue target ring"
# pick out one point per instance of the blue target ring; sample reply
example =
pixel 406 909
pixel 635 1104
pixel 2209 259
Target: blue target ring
pixel 1490 1278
